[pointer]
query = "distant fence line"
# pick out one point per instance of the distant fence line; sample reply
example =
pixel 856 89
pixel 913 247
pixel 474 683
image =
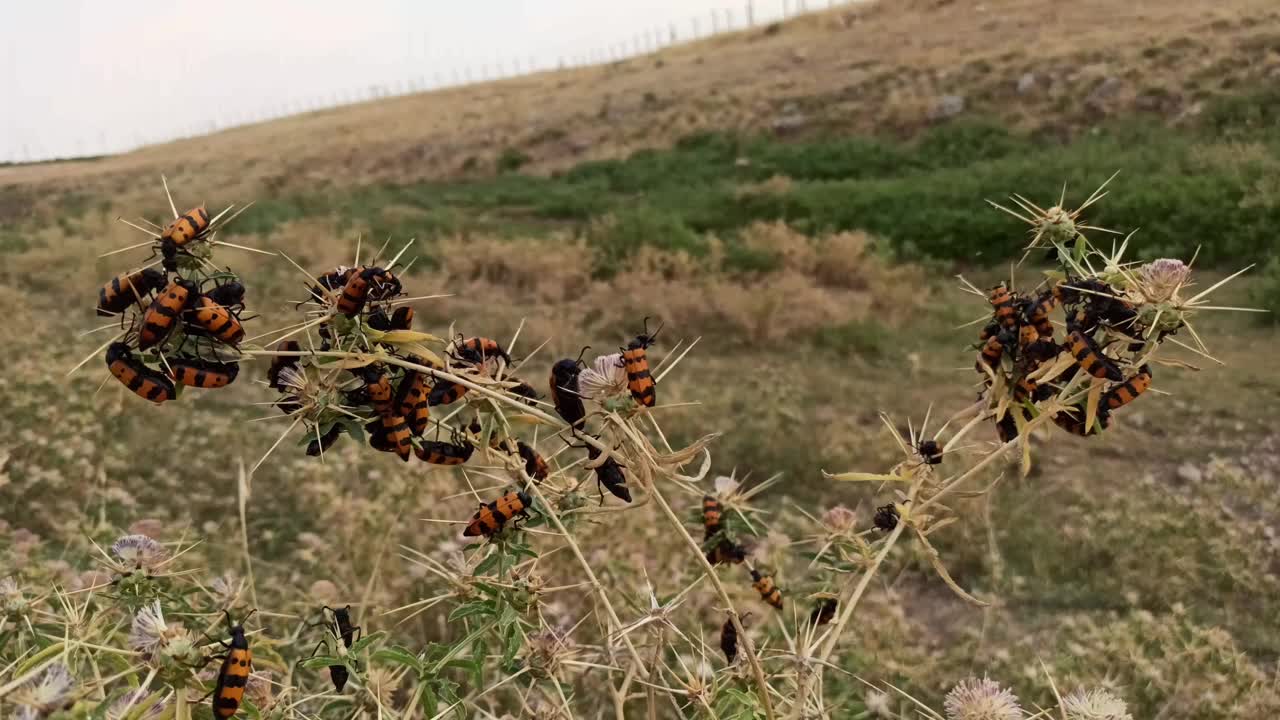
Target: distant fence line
pixel 717 21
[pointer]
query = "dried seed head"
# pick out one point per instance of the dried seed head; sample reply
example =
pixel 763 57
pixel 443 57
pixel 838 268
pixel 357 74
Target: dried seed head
pixel 983 699
pixel 1160 280
pixel 839 520
pixel 258 688
pixel 45 693
pixel 1094 705
pixel 545 651
pixel 382 683
pixel 139 552
pixel 604 380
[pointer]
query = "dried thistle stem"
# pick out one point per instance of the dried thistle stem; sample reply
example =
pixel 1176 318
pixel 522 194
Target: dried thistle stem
pixel 748 647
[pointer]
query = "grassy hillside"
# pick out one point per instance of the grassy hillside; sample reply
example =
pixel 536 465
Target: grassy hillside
pixel 791 196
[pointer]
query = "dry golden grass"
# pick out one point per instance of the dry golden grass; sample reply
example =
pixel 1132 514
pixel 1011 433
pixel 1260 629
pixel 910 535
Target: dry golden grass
pixel 883 66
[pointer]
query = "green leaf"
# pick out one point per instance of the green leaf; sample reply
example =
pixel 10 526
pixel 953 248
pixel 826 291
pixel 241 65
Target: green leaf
pixel 507 617
pixel 477 607
pixel 433 652
pixel 513 642
pixel 320 661
pixel 428 701
pixel 488 564
pixel 397 655
pixel 358 646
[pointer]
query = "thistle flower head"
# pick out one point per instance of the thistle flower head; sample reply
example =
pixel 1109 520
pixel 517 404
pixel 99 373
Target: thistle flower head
pixel 839 520
pixel 604 380
pixel 983 699
pixel 1057 225
pixel 1095 705
pixel 1160 280
pixel 160 642
pixel 12 600
pixel 45 693
pixel 149 630
pixel 227 588
pixel 726 485
pixel 139 552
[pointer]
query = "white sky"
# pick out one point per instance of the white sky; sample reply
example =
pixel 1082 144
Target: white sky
pixel 84 77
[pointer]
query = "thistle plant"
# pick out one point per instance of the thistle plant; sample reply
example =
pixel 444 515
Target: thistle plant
pixel 551 608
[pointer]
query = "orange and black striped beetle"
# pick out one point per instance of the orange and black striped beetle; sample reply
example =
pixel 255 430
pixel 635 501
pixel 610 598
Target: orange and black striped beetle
pixel 1074 424
pixel 1121 395
pixel 711 516
pixel 477 349
pixel 197 373
pixel 378 384
pixel 446 393
pixel 767 588
pixel 190 226
pixel 330 283
pixel 217 321
pixel 1036 313
pixel 534 466
pixel 564 391
pixel 635 360
pixel 1090 358
pixel 364 284
pixel 124 290
pixel 161 316
pixel 438 452
pixel 492 517
pixel 390 433
pixel 1002 301
pixel 143 381
pixel 411 400
pixel 237 663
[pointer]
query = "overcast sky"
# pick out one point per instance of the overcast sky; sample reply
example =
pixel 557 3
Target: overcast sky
pixel 84 77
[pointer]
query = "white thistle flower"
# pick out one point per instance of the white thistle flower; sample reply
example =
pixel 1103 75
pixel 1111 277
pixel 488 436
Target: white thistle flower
pixel 983 699
pixel 45 693
pixel 139 552
pixel 227 587
pixel 1095 705
pixel 604 379
pixel 1160 280
pixel 149 631
pixel 726 485
pixel 877 703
